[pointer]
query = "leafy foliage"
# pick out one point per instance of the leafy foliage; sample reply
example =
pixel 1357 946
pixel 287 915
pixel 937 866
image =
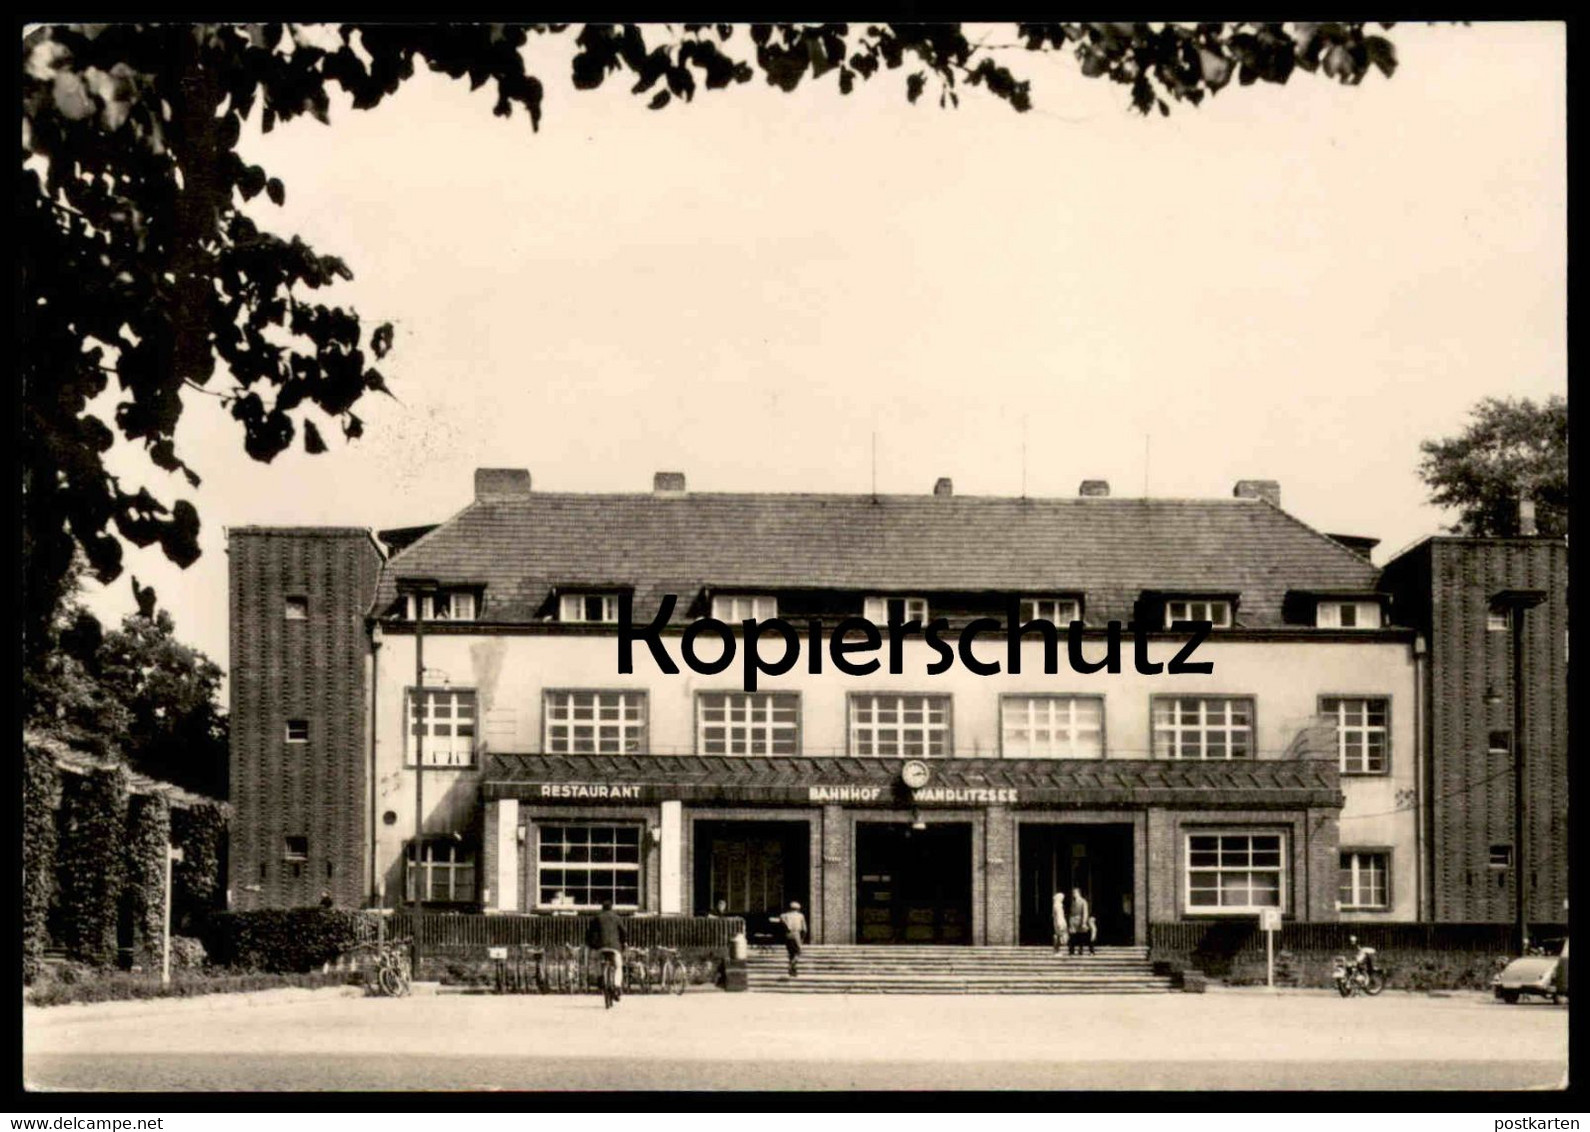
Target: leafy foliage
pixel 200 832
pixel 66 985
pixel 140 264
pixel 1512 449
pixel 285 939
pixel 90 863
pixel 136 693
pixel 175 729
pixel 41 784
pixel 144 886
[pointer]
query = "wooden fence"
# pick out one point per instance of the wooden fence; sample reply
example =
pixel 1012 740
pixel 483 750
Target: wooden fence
pixel 472 934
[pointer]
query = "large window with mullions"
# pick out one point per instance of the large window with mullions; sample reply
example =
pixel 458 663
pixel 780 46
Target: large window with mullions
pixel 747 723
pixel 581 865
pixel 895 726
pixel 595 723
pixel 1235 872
pixel 1203 727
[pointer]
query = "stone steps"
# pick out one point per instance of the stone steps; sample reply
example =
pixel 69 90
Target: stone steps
pixel 860 969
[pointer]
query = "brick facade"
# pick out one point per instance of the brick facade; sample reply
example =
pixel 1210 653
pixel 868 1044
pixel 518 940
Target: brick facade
pixel 1443 586
pixel 310 669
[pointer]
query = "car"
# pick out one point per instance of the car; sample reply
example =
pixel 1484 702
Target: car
pixel 1545 975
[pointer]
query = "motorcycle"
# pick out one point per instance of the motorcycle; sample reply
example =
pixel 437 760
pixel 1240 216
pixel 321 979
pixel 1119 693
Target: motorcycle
pixel 1359 975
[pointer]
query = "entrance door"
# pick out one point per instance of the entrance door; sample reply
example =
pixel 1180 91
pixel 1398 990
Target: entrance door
pixel 1094 858
pixel 913 885
pixel 754 867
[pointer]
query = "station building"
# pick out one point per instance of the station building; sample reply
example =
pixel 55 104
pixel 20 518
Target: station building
pixel 901 807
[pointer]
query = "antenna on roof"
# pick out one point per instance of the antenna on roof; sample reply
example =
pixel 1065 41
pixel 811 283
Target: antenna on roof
pixel 1145 465
pixel 1024 457
pixel 875 465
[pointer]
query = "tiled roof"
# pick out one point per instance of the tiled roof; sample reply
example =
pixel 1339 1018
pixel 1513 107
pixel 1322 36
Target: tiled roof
pixel 1110 549
pixel 1284 782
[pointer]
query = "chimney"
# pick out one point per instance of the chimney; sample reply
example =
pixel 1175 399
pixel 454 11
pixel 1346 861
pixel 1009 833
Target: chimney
pixel 1258 489
pixel 668 484
pixel 1094 489
pixel 497 485
pixel 943 486
pixel 1526 518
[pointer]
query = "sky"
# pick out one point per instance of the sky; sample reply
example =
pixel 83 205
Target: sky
pixel 778 292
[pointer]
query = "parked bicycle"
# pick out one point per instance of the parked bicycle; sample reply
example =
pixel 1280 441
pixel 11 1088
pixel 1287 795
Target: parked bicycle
pixel 671 973
pixel 389 974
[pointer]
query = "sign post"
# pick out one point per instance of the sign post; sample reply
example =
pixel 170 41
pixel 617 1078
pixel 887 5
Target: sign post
pixel 172 854
pixel 1269 924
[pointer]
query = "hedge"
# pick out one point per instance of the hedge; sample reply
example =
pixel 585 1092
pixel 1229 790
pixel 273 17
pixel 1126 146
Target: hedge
pixel 41 783
pixel 87 984
pixel 285 939
pixel 144 886
pixel 90 863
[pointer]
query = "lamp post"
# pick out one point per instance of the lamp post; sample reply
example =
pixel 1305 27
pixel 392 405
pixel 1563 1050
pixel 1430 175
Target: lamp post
pixel 376 638
pixel 173 853
pixel 1517 602
pixel 418 591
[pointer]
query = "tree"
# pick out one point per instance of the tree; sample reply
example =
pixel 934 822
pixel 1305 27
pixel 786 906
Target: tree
pixel 1512 449
pixel 136 693
pixel 139 264
pixel 175 729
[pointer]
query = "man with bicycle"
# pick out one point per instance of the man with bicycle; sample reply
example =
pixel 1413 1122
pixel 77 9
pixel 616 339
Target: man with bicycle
pixel 608 937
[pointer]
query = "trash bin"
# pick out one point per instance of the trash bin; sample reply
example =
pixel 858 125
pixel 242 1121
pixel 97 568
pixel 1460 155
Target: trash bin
pixel 738 948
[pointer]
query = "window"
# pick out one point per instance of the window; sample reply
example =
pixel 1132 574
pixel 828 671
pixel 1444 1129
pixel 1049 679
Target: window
pixel 593 609
pixel 1056 610
pixel 730 608
pixel 1235 872
pixel 295 848
pixel 747 723
pixel 1364 880
pixel 445 605
pixel 1499 619
pixel 296 608
pixel 1501 856
pixel 1361 733
pixel 455 605
pixel 595 723
pixel 446 717
pixel 1203 727
pixel 1052 727
pixel 886 610
pixel 298 730
pixel 902 726
pixel 584 865
pixel 1217 613
pixel 1500 743
pixel 1347 615
pixel 446 874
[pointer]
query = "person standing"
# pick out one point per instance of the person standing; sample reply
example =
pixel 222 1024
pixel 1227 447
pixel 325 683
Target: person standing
pixel 1059 915
pixel 1077 922
pixel 794 931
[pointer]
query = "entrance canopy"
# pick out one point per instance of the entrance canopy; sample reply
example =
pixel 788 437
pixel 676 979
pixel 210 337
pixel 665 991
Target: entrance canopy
pixel 593 779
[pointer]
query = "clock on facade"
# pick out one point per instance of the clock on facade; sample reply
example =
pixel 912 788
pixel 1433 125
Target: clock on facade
pixel 915 774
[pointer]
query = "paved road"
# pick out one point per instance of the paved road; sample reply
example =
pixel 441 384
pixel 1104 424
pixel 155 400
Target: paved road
pixel 708 1040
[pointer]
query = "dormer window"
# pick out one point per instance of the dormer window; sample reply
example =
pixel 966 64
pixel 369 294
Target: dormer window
pixel 444 605
pixel 1347 615
pixel 588 609
pixel 1055 610
pixel 1216 611
pixel 888 610
pixel 730 608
